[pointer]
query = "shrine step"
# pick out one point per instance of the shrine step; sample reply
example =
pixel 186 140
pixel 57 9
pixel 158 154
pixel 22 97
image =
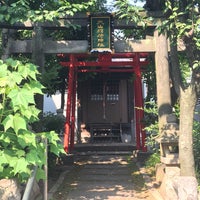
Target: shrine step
pixel 103 147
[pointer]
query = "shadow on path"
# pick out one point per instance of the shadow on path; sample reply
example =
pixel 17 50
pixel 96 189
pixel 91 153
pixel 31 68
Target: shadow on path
pixel 94 177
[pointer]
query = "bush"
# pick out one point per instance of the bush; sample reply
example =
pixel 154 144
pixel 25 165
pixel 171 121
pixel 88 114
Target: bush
pixel 20 147
pixel 151 125
pixel 153 160
pixel 52 122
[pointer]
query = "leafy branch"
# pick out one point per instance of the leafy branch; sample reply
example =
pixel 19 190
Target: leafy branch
pixel 20 147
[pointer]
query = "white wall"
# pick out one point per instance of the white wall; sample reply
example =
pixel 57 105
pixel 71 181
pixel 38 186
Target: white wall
pixel 52 103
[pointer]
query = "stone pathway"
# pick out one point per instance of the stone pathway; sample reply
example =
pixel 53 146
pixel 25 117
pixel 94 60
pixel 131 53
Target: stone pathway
pixel 100 177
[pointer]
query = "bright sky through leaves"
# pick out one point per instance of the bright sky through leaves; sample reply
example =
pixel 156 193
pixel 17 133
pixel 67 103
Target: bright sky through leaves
pixel 110 3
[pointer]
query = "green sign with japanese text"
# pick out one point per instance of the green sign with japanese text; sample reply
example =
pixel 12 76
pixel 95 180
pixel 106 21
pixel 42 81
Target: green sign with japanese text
pixel 100 33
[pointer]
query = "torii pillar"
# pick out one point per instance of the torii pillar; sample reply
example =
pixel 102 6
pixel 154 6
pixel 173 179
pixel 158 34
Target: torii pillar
pixel 71 106
pixel 139 106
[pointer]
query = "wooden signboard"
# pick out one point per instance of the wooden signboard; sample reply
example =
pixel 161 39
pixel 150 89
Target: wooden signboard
pixel 100 33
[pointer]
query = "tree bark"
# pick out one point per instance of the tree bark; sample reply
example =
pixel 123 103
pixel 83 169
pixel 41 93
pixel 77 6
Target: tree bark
pixel 187 106
pixel 175 68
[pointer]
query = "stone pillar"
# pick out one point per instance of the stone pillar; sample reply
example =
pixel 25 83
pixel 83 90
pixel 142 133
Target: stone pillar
pixel 5 44
pixel 38 57
pixel 162 78
pixel 168 140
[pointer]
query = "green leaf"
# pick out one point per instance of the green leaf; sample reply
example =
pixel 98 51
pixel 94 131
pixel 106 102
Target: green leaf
pixel 40 153
pixel 20 166
pixel 196 65
pixel 31 114
pixel 40 174
pixel 33 158
pixel 23 70
pixel 12 63
pixel 20 153
pixel 8 122
pixel 1 168
pixel 4 71
pixel 19 123
pixel 3 159
pixel 175 9
pixel 10 155
pixel 21 97
pixel 27 139
pixel 35 86
pixel 54 149
pixel 53 137
pixel 28 70
pixel 1 106
pixel 6 138
pixel 16 122
pixel 4 81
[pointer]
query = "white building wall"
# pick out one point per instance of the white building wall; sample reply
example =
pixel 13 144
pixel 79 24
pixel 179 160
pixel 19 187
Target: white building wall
pixel 53 102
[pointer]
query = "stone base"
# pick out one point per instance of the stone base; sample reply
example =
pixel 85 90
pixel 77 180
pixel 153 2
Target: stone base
pixel 160 173
pixel 179 188
pixel 9 189
pixel 170 159
pixel 187 188
pixel 167 189
pixel 172 171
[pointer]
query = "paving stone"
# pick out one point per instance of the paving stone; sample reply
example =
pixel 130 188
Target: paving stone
pixel 104 177
pixel 107 171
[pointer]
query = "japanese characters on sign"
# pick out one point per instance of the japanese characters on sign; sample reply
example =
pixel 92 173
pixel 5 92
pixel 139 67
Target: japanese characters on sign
pixel 100 34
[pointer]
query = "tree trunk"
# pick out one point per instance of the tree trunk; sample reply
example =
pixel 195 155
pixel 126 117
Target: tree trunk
pixel 187 106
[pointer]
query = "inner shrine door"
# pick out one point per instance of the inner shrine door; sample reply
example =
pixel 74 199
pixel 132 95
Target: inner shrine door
pixel 104 100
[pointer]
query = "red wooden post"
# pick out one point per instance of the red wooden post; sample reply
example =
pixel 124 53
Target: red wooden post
pixel 73 109
pixel 69 105
pixel 137 113
pixel 139 110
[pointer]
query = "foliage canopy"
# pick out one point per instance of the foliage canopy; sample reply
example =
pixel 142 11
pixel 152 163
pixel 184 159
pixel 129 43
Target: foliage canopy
pixel 23 10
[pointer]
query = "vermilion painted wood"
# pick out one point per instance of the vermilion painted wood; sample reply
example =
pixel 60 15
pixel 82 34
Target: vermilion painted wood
pixel 69 105
pixel 73 109
pixel 105 63
pixel 139 110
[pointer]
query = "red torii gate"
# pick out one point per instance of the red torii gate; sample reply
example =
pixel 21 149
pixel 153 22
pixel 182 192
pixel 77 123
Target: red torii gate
pixel 104 62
